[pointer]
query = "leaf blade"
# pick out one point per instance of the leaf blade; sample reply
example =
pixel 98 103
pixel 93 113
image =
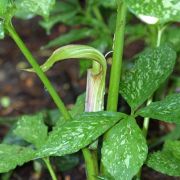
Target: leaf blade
pixel 157 11
pixel 32 129
pixel 10 160
pixel 70 37
pixel 166 161
pixel 152 68
pixel 124 150
pixel 40 7
pixel 167 110
pixel 78 133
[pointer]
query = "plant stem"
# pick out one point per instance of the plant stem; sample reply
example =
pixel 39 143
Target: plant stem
pixel 117 58
pixel 98 14
pixel 146 121
pixel 51 171
pixel 116 62
pixel 38 71
pixel 159 35
pixel 91 164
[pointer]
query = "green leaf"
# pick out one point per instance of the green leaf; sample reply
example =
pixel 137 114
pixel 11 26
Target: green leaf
pixel 166 110
pixel 7 10
pixel 40 7
pixel 151 69
pixel 62 12
pixel 78 133
pixel 171 35
pixel 156 11
pixel 108 3
pixel 49 23
pixel 10 138
pixel 3 7
pixel 124 150
pixel 72 36
pixel 105 3
pixel 32 129
pixel 166 161
pixel 173 147
pixel 13 155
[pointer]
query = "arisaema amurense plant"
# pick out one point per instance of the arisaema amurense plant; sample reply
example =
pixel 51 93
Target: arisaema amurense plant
pixel 112 143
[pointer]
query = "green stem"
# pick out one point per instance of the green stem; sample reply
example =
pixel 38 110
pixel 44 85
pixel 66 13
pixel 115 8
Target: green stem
pixel 159 35
pixel 98 14
pixel 117 58
pixel 51 171
pixel 38 71
pixel 91 164
pixel 146 121
pixel 116 62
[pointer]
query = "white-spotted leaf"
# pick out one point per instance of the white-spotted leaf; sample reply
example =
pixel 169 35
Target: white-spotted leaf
pixel 166 110
pixel 79 132
pixel 40 7
pixel 14 155
pixel 3 7
pixel 124 150
pixel 32 129
pixel 166 161
pixel 151 69
pixel 155 11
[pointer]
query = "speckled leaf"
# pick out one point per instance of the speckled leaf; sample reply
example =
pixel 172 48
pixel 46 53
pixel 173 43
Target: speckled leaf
pixel 124 150
pixel 40 7
pixel 32 129
pixel 156 11
pixel 174 147
pixel 7 9
pixel 166 161
pixel 13 155
pixel 78 133
pixel 151 69
pixel 3 7
pixel 166 110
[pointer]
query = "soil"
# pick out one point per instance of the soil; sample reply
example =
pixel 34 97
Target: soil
pixel 27 94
